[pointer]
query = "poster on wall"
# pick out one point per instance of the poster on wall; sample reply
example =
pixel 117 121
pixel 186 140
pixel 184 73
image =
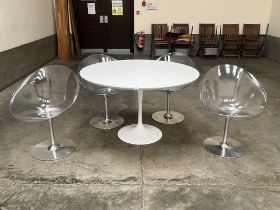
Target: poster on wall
pixel 91 8
pixel 117 7
pixel 152 6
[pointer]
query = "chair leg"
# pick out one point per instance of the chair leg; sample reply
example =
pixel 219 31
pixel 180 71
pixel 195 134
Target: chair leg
pixel 238 51
pixel 199 49
pixel 168 115
pixel 189 50
pixel 53 145
pixel 224 146
pixel 222 49
pixel 225 136
pixel 107 120
pixel 50 150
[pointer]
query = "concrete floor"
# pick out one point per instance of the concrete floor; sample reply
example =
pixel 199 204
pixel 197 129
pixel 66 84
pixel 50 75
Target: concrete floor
pixel 173 173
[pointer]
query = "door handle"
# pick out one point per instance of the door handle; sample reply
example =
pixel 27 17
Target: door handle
pixel 101 19
pixel 105 19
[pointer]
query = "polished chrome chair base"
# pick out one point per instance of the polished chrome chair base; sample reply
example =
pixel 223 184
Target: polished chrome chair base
pixel 168 117
pixel 45 151
pixel 106 124
pixel 224 146
pixel 50 150
pixel 232 149
pixel 165 118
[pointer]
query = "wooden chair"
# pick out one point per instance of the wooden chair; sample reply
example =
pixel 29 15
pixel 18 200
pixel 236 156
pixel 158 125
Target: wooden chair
pixel 181 28
pixel 230 40
pixel 159 40
pixel 207 40
pixel 251 40
pixel 184 41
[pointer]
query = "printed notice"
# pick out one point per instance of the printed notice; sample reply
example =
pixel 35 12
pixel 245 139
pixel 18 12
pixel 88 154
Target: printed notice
pixel 152 6
pixel 91 8
pixel 117 7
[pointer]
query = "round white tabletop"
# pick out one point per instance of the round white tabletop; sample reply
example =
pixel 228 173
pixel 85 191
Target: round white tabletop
pixel 139 75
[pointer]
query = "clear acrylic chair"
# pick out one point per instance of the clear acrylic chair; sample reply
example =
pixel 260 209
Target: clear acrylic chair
pixel 43 95
pixel 231 92
pixel 167 116
pixel 100 122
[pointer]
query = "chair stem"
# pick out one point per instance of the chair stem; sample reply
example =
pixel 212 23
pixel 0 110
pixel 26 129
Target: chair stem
pixel 225 132
pixel 106 108
pixel 52 133
pixel 168 114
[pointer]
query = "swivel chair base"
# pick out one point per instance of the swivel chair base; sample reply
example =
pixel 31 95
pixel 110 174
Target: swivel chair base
pixel 44 151
pixel 174 117
pixel 232 149
pixel 102 123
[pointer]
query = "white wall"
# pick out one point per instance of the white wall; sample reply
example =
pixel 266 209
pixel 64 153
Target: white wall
pixel 204 11
pixel 24 21
pixel 274 27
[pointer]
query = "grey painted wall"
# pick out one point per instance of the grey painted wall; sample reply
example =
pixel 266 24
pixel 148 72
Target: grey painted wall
pixel 18 62
pixel 272 48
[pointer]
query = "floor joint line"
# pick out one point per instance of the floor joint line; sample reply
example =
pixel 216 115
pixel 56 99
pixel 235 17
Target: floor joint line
pixel 142 176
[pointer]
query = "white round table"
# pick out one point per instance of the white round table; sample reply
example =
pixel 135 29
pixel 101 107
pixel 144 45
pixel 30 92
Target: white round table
pixel 139 75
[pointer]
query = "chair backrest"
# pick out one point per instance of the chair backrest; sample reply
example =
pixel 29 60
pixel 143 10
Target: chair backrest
pixel 94 58
pixel 45 94
pixel 172 57
pixel 159 31
pixel 207 32
pixel 251 32
pixel 230 32
pixel 231 91
pixel 181 28
pixel 89 60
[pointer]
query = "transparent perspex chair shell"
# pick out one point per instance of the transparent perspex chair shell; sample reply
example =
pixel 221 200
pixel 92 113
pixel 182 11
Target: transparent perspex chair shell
pixel 233 93
pixel 43 95
pixel 168 116
pixel 100 122
pixel 93 59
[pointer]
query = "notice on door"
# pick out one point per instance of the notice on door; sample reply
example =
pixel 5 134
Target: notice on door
pixel 117 7
pixel 91 8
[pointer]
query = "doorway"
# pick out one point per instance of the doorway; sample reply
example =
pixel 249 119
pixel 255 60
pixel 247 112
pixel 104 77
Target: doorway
pixel 105 25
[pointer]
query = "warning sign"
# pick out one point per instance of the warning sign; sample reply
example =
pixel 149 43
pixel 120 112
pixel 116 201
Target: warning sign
pixel 117 7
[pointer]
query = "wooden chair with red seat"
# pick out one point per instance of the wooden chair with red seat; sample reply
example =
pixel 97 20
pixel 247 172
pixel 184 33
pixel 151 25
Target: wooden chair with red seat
pixel 231 41
pixel 184 39
pixel 181 28
pixel 251 40
pixel 159 40
pixel 207 40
